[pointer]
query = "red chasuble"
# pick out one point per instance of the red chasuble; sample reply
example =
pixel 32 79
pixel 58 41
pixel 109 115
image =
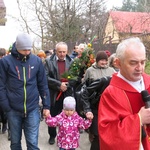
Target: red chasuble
pixel 118 120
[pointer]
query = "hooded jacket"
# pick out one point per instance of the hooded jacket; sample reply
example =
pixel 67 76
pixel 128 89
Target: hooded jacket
pixel 68 133
pixel 22 80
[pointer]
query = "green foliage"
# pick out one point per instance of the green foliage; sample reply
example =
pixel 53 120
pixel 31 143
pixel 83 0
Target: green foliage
pixel 142 6
pixel 10 48
pixel 128 5
pixel 134 6
pixel 147 67
pixel 84 61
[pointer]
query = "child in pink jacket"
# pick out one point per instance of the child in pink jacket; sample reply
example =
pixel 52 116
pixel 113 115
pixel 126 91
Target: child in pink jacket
pixel 69 123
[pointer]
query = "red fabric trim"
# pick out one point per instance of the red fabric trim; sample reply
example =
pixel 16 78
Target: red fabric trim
pixel 118 122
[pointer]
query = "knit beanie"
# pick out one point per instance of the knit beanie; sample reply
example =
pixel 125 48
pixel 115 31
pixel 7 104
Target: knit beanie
pixel 101 55
pixel 69 103
pixel 23 42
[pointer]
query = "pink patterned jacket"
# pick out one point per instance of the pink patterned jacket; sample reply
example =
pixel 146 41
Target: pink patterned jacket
pixel 68 129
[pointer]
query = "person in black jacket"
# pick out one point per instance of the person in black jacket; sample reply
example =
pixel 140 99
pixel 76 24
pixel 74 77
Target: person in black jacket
pixel 22 81
pixel 90 96
pixel 59 87
pixel 95 76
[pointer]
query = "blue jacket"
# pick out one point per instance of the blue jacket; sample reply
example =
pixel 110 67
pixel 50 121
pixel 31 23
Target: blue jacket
pixel 74 55
pixel 22 80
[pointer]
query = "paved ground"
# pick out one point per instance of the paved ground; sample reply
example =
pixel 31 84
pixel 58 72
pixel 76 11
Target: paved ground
pixel 43 140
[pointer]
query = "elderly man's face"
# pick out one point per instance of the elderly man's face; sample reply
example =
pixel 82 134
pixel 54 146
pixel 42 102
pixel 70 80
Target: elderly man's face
pixel 133 64
pixel 61 52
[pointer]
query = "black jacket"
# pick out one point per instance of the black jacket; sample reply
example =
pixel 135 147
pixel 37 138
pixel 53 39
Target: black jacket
pixel 53 76
pixel 90 95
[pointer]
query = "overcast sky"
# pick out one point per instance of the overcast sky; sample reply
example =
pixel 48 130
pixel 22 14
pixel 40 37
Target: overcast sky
pixel 10 30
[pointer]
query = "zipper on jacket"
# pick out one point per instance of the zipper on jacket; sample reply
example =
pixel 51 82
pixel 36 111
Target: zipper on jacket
pixel 29 71
pixel 25 92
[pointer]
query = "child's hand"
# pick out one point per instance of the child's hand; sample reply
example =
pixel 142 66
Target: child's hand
pixel 89 115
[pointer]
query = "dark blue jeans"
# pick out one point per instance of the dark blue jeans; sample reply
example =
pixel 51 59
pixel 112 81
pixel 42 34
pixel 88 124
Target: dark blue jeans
pixel 30 125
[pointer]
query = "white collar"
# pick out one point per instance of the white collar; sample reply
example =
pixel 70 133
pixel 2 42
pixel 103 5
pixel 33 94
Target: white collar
pixel 138 85
pixel 58 58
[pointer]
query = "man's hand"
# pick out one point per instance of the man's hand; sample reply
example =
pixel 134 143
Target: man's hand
pixel 63 86
pixel 46 113
pixel 145 115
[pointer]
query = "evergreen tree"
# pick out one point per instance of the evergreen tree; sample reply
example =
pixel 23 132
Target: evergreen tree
pixel 135 6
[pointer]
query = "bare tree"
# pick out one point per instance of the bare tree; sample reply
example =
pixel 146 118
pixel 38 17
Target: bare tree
pixel 62 20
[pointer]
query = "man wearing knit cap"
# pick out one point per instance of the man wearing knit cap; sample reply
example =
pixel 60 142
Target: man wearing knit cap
pixel 23 45
pixel 98 70
pixel 23 42
pixel 22 81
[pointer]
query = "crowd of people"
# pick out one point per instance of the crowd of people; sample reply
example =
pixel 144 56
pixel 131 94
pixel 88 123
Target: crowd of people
pixel 112 106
